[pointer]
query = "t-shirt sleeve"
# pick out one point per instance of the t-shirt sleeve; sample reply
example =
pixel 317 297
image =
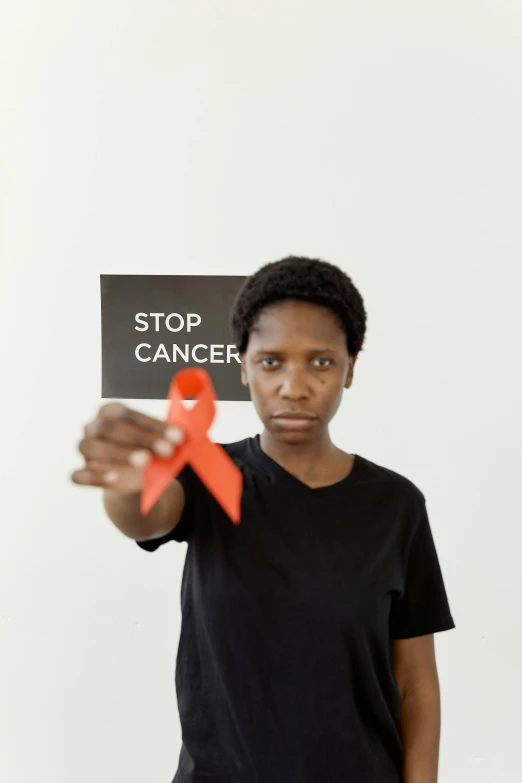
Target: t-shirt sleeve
pixel 422 607
pixel 185 527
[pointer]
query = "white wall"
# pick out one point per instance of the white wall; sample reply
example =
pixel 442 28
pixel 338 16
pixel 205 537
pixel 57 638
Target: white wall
pixel 203 137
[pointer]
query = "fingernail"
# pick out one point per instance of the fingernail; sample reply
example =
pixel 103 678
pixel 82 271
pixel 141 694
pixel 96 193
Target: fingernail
pixel 174 434
pixel 163 448
pixel 110 477
pixel 139 458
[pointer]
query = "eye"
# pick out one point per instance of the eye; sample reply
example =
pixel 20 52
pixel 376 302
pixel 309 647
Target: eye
pixel 324 359
pixel 318 359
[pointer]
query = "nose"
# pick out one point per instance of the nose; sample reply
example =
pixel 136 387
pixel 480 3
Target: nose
pixel 294 385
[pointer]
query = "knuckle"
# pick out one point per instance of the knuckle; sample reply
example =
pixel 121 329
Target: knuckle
pixel 114 410
pixel 97 465
pixel 93 428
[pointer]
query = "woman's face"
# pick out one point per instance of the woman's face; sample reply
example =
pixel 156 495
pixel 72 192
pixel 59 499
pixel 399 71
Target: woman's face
pixel 297 361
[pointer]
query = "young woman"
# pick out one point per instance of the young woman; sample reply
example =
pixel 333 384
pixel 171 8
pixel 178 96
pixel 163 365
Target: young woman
pixel 306 652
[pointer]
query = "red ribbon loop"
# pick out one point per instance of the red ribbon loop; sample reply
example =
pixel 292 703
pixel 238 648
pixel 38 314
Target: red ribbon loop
pixel 215 468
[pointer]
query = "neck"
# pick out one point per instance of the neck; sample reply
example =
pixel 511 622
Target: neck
pixel 308 459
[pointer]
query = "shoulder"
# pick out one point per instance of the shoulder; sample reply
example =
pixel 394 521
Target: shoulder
pixel 236 448
pixel 383 478
pixel 400 498
pixel 238 451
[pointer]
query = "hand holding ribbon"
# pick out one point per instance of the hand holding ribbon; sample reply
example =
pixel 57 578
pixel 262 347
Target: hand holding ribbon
pixel 209 460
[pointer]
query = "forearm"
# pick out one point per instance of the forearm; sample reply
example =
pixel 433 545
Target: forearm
pixel 420 729
pixel 124 511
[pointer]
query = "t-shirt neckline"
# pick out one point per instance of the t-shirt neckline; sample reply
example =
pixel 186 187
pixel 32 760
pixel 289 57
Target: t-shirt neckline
pixel 283 473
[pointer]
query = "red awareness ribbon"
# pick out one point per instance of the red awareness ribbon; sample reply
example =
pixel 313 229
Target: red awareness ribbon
pixel 209 460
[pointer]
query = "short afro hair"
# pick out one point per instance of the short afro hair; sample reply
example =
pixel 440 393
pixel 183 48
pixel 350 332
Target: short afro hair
pixel 299 277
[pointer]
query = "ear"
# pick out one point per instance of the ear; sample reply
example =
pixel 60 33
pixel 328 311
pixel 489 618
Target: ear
pixel 349 376
pixel 244 379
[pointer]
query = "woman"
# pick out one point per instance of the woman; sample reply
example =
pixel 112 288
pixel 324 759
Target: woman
pixel 306 652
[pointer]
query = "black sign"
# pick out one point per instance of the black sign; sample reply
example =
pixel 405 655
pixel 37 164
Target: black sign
pixel 155 325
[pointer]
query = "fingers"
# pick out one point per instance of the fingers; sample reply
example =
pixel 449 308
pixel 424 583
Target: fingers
pixel 119 443
pixel 119 434
pixel 116 411
pixel 95 448
pixel 120 425
pixel 122 478
pixel 93 478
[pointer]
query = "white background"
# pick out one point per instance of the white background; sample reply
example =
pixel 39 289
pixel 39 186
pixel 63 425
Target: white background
pixel 202 137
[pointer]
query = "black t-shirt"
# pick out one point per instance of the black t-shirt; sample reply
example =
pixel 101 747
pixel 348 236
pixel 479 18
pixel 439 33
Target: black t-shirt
pixel 284 667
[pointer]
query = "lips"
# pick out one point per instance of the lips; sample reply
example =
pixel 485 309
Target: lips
pixel 294 421
pixel 293 415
